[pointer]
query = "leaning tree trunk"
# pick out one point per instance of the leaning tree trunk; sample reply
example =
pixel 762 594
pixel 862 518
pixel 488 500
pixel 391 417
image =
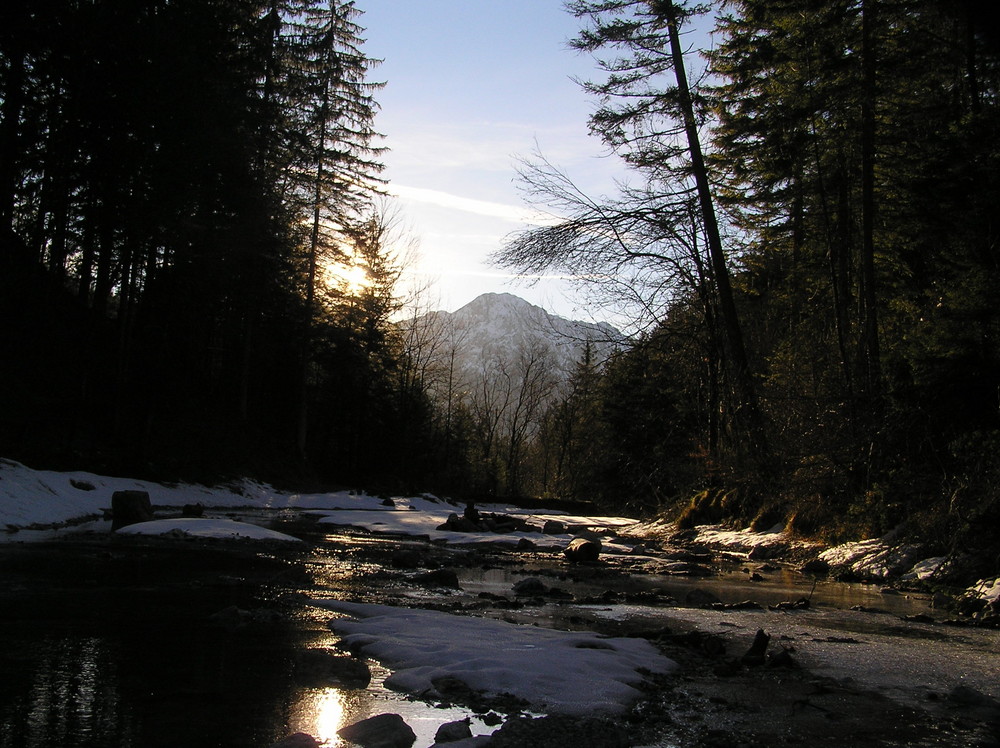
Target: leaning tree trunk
pixel 738 362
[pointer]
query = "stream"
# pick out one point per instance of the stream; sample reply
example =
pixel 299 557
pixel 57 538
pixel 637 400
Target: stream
pixel 115 641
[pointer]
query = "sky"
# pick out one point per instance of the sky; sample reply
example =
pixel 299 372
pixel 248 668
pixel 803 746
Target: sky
pixel 471 86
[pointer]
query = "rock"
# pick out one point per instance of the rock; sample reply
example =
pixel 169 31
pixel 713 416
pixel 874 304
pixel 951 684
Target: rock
pixel 491 719
pixel 552 527
pixel 530 586
pixel 758 650
pixel 699 597
pixel 129 508
pixel 560 731
pixel 817 567
pixel 525 545
pixel 321 667
pixel 479 741
pixel 781 658
pixel 380 731
pixel 438 578
pixel 298 740
pixel 459 524
pixel 81 484
pixel 582 550
pixel 407 559
pixel 452 731
pixel 388 502
pixel 801 604
pixel 192 510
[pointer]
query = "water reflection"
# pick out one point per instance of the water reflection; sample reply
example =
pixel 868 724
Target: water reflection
pixel 72 698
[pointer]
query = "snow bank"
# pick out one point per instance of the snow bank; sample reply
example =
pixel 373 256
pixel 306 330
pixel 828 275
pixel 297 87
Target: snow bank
pixel 43 498
pixel 872 559
pixel 197 527
pixel 577 673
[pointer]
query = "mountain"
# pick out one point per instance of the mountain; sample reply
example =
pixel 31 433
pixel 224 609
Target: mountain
pixel 500 329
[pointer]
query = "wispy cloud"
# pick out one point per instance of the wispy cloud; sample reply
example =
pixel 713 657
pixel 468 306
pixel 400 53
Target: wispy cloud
pixel 513 213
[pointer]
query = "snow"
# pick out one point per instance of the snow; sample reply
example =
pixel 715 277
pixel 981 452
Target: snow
pixel 205 528
pixel 923 570
pixel 573 673
pixel 576 673
pixel 987 589
pixel 878 558
pixel 34 501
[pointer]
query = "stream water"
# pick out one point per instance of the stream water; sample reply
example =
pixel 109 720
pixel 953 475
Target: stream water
pixel 109 643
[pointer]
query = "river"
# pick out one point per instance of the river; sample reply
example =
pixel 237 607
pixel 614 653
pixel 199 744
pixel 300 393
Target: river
pixel 110 641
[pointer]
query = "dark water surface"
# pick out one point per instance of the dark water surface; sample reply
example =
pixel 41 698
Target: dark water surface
pixel 113 644
pixel 130 641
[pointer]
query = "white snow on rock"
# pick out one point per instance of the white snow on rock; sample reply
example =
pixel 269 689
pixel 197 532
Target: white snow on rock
pixel 925 569
pixel 876 558
pixel 987 589
pixel 577 673
pixel 197 527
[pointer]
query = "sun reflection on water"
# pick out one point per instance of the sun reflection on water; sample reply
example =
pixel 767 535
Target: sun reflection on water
pixel 329 711
pixel 321 713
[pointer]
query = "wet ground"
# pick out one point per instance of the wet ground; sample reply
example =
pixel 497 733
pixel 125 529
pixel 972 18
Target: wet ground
pixel 114 641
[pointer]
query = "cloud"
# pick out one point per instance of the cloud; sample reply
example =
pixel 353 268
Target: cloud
pixel 513 213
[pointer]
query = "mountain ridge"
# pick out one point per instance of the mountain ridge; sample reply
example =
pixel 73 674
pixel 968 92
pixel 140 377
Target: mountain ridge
pixel 499 329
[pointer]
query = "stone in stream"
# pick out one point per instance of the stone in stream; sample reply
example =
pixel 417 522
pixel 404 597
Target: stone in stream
pixel 530 586
pixel 553 527
pixel 449 732
pixel 582 550
pixel 129 508
pixel 758 650
pixel 438 578
pixel 322 667
pixel 380 731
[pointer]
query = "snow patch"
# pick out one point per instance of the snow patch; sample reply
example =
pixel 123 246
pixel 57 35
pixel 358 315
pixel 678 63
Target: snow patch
pixel 577 673
pixel 197 527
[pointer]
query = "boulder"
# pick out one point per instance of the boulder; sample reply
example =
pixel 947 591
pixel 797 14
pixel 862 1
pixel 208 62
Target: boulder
pixel 552 527
pixel 582 550
pixel 407 559
pixel 530 586
pixel 129 508
pixel 757 653
pixel 455 523
pixel 816 567
pixel 321 667
pixel 438 578
pixel 449 732
pixel 701 598
pixel 380 731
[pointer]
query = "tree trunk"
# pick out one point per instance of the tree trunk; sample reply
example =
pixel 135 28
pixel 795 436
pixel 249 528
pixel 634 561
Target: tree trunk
pixel 737 360
pixel 869 322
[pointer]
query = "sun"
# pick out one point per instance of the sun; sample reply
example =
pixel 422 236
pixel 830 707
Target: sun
pixel 350 279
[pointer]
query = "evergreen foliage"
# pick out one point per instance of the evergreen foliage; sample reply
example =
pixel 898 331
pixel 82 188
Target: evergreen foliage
pixel 179 181
pixel 851 151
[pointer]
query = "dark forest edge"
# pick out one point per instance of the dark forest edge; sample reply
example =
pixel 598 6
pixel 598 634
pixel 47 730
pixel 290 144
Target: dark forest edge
pixel 826 358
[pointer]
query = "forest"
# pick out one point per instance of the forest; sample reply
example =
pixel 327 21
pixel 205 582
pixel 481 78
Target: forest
pixel 808 242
